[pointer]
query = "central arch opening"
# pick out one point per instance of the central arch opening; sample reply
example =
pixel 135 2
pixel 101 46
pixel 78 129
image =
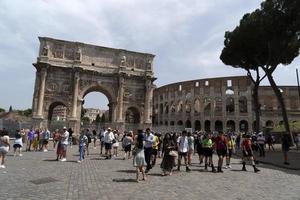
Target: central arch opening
pixel 57 116
pixel 95 111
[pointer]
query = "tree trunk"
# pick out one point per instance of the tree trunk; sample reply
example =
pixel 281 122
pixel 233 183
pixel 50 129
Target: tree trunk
pixel 281 103
pixel 256 107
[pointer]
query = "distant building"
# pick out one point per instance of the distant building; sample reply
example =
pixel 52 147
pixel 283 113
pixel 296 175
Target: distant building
pixel 59 113
pixel 92 113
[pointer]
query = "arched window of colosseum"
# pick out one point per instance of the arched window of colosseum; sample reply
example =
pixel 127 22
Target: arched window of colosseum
pixel 218 105
pixel 166 108
pixel 218 125
pixel 188 96
pixel 230 125
pixel 243 105
pixel 173 109
pixel 243 126
pixel 172 123
pixel 179 123
pixel 197 106
pixel 188 124
pixel 229 92
pixel 187 107
pixel 161 123
pixel 179 106
pixel 197 125
pixel 230 105
pixel 166 123
pixel 269 123
pixel 207 125
pixel 161 108
pixel 207 106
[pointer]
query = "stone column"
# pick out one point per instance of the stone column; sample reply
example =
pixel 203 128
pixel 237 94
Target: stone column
pixel 75 94
pixel 120 99
pixel 43 75
pixel 148 100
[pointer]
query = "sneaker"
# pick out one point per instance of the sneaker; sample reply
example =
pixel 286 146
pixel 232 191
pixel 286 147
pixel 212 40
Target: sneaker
pixel 187 169
pixel 229 166
pixel 63 160
pixel 45 150
pixel 21 155
pixel 244 169
pixel 78 161
pixel 2 166
pixel 256 170
pixel 226 167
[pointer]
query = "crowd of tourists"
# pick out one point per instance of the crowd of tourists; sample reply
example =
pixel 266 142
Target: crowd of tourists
pixel 144 147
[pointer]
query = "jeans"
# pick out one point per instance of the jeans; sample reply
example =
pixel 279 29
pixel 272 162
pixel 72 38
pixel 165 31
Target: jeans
pixel 81 152
pixel 148 154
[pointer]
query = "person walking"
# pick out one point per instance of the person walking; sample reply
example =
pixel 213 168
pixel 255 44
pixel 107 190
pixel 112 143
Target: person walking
pixel 285 144
pixel 231 149
pixel 270 142
pixel 108 140
pixel 191 147
pixel 83 140
pixel 18 144
pixel 126 143
pixel 183 148
pixel 221 149
pixel 168 161
pixel 4 147
pixel 46 136
pixel 154 149
pixel 149 138
pixel 139 156
pixel 102 143
pixel 95 138
pixel 261 143
pixel 64 144
pixel 248 153
pixel 116 143
pixel 30 137
pixel 70 139
pixel 207 144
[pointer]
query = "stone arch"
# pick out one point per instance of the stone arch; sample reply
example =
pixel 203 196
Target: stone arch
pixel 230 125
pixel 197 106
pixel 218 125
pixel 207 106
pixel 243 126
pixel 108 91
pixel 188 107
pixel 166 108
pixel 207 125
pixel 172 107
pixel 54 123
pixel 243 104
pixel 188 124
pixel 180 106
pixel 179 123
pixel 269 123
pixel 172 123
pixel 197 125
pixel 230 105
pixel 52 106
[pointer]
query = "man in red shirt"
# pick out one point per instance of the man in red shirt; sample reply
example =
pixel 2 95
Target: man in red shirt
pixel 248 153
pixel 221 149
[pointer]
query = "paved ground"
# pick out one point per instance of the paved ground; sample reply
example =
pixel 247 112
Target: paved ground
pixel 37 176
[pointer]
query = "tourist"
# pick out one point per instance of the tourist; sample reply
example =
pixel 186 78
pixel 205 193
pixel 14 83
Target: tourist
pixel 270 142
pixel 168 161
pixel 101 136
pixel 46 136
pixel 4 147
pixel 83 141
pixel 18 144
pixel 108 140
pixel 231 149
pixel 199 147
pixel 64 144
pixel 285 144
pixel 191 147
pixel 139 156
pixel 40 139
pixel 36 139
pixel 30 137
pixel 89 135
pixel 159 145
pixel 183 148
pixel 221 149
pixel 126 143
pixel 149 138
pixel 207 144
pixel 70 137
pixel 248 153
pixel 154 149
pixel 56 137
pixel 23 135
pixel 238 141
pixel 261 143
pixel 115 144
pixel 94 138
pixel 59 150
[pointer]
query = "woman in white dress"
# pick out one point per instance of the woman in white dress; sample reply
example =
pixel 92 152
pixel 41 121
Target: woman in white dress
pixel 139 156
pixel 4 147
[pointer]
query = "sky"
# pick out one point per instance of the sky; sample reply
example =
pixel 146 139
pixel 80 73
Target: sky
pixel 186 37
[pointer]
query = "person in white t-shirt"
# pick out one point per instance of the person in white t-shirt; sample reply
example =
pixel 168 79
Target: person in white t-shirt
pixel 183 148
pixel 108 141
pixel 64 144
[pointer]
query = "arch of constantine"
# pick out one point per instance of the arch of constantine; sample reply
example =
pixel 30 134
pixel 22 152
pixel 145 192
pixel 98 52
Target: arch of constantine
pixel 67 71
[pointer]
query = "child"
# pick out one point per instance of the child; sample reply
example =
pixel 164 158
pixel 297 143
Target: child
pixel 83 141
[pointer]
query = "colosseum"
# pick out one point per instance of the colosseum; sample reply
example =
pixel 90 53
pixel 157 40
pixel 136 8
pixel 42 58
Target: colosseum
pixel 219 104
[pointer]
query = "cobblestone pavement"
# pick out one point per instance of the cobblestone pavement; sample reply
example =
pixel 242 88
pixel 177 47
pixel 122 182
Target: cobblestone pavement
pixel 37 175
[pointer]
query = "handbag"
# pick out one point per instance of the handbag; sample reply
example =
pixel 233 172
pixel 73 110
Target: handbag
pixel 173 153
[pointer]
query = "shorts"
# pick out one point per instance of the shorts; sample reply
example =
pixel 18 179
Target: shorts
pixel 182 154
pixel 249 153
pixel 17 146
pixel 4 150
pixel 45 142
pixel 154 152
pixel 127 148
pixel 108 146
pixel 207 152
pixel 222 152
pixel 64 147
pixel 115 145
